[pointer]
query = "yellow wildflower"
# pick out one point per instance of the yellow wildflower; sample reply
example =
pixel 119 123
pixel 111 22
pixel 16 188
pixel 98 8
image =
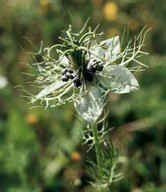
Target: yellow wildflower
pixel 110 11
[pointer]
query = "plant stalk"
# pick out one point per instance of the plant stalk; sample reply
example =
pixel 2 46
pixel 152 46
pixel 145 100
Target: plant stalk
pixel 97 148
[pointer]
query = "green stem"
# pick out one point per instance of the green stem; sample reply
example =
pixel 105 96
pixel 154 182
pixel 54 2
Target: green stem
pixel 97 148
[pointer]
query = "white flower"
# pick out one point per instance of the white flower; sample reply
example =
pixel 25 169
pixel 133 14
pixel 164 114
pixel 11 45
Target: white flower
pixel 113 77
pixel 3 82
pixel 86 71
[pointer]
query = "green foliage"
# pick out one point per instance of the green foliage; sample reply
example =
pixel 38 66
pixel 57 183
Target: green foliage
pixel 37 147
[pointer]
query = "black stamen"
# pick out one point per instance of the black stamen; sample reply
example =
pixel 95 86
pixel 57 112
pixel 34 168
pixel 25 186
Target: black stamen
pixel 99 67
pixel 65 79
pixel 67 73
pixel 71 76
pixel 70 70
pixel 93 69
pixel 77 82
pixel 63 72
pixel 89 76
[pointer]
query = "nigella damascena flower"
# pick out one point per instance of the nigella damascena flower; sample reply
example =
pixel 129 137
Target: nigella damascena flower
pixel 86 71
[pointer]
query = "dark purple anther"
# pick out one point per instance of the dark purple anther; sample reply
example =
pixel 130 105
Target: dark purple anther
pixel 77 82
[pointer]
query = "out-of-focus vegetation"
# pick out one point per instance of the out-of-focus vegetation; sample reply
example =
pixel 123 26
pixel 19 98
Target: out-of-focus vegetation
pixel 41 150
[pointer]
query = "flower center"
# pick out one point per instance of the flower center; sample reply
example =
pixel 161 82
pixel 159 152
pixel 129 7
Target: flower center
pixel 67 74
pixel 87 73
pixel 92 69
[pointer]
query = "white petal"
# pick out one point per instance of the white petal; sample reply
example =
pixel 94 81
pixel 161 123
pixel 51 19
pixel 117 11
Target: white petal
pixel 119 79
pixel 64 61
pixel 47 90
pixel 107 49
pixel 90 106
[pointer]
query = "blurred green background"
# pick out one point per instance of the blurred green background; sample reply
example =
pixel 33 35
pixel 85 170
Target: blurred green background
pixel 41 150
